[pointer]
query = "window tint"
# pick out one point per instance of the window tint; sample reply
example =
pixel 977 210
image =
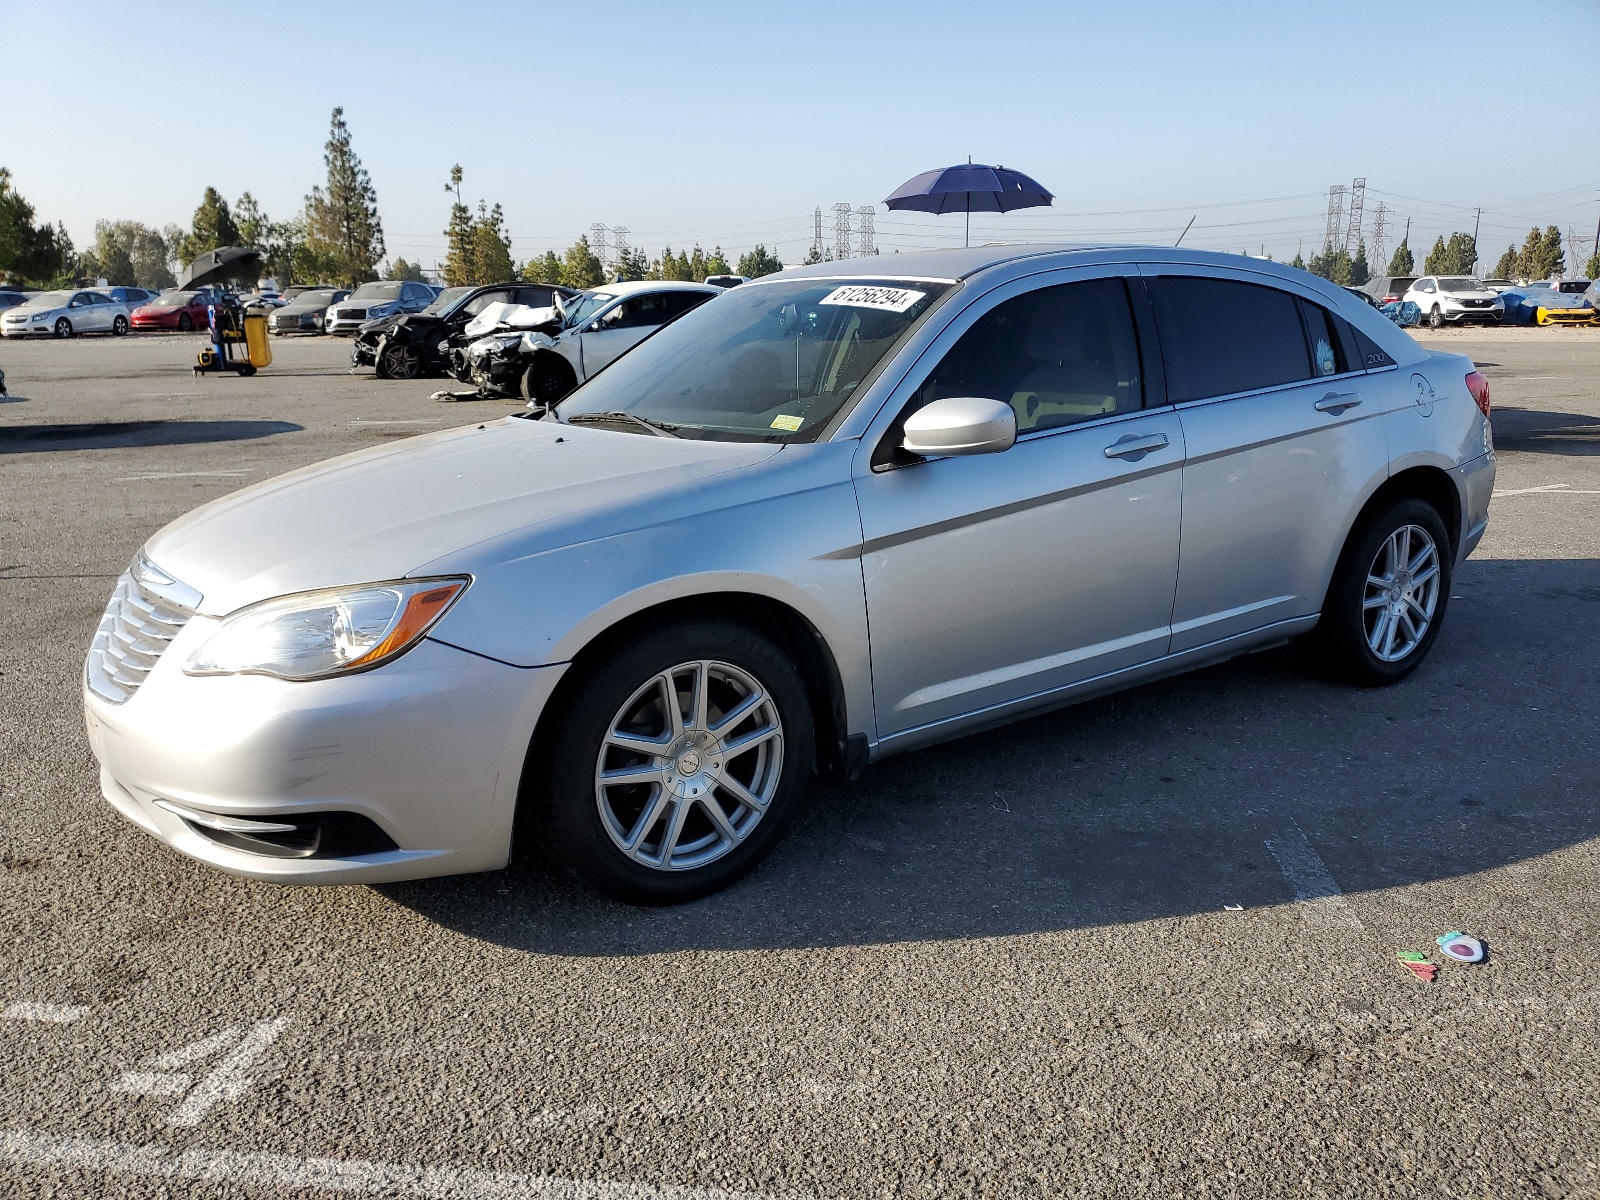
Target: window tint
pixel 639 312
pixel 1057 355
pixel 478 303
pixel 681 302
pixel 534 297
pixel 1328 355
pixel 1219 337
pixel 1372 356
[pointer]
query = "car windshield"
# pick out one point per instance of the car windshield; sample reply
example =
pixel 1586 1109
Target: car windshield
pixel 1456 284
pixel 1574 286
pixel 761 362
pixel 581 308
pixel 448 299
pixel 314 299
pixel 376 291
pixel 173 299
pixel 51 299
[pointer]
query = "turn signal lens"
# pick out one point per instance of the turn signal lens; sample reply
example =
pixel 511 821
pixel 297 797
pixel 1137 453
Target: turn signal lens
pixel 312 635
pixel 1479 387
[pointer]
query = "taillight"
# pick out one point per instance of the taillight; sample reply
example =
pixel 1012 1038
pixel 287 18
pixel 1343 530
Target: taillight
pixel 1479 387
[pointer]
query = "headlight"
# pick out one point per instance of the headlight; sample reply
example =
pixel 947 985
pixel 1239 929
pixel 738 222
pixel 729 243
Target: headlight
pixel 39 316
pixel 312 635
pixel 382 310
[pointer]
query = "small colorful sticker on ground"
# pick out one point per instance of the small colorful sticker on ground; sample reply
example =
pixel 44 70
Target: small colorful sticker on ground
pixel 889 299
pixel 787 422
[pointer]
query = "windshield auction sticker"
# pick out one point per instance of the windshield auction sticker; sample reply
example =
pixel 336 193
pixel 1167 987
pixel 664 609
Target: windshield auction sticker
pixel 889 299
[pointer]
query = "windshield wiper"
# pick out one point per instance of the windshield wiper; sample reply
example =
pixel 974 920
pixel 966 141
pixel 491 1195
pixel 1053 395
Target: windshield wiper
pixel 655 427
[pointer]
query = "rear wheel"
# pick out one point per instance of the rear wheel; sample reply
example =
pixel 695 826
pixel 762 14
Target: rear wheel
pixel 1387 599
pixel 547 380
pixel 399 360
pixel 63 327
pixel 675 765
pixel 119 326
pixel 185 324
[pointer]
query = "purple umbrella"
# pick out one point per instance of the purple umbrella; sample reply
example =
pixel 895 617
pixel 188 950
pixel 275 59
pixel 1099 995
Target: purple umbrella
pixel 969 187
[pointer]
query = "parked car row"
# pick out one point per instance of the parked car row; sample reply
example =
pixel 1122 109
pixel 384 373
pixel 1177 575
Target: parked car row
pixel 534 341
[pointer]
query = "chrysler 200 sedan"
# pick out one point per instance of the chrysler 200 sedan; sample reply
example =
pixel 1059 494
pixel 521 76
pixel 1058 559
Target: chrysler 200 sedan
pixel 834 513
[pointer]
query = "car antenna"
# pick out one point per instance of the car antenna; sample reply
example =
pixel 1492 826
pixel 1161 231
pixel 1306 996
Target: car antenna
pixel 1185 232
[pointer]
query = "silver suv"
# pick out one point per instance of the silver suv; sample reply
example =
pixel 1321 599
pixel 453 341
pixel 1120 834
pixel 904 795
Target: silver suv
pixel 831 514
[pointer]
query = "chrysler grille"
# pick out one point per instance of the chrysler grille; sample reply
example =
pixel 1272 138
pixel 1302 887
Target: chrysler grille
pixel 146 612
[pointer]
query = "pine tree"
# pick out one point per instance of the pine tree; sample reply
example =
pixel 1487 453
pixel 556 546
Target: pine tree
pixel 581 268
pixel 812 256
pixel 343 231
pixel 1297 261
pixel 1554 259
pixel 1509 266
pixel 1401 262
pixel 1360 272
pixel 717 263
pixel 213 226
pixel 544 269
pixel 491 248
pixel 758 263
pixel 458 253
pixel 1591 269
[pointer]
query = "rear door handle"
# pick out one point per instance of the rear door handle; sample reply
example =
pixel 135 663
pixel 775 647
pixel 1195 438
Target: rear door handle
pixel 1337 402
pixel 1134 443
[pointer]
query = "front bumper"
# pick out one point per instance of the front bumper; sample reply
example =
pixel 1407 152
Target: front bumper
pixel 429 748
pixel 47 328
pixel 341 327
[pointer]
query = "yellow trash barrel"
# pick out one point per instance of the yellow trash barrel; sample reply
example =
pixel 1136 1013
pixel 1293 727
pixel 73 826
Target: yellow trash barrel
pixel 257 348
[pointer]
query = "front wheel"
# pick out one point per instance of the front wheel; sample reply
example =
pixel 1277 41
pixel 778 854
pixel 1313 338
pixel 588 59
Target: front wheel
pixel 1435 318
pixel 1387 599
pixel 63 327
pixel 119 326
pixel 398 360
pixel 675 765
pixel 545 381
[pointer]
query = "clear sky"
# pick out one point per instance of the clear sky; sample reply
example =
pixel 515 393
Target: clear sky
pixel 728 123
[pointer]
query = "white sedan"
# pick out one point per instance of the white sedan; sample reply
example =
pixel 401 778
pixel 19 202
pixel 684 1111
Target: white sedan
pixel 65 314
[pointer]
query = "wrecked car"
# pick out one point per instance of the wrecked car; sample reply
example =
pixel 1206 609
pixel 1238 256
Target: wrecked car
pixel 545 362
pixel 410 345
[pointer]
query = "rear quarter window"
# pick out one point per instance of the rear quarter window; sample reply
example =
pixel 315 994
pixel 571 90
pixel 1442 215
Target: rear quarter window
pixel 1220 336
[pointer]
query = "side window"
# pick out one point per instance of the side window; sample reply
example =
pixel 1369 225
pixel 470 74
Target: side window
pixel 1219 337
pixel 478 303
pixel 639 312
pixel 679 303
pixel 534 297
pixel 1425 285
pixel 1329 354
pixel 1058 355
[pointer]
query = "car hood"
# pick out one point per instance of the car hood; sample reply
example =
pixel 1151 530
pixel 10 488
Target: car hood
pixel 384 513
pixel 1469 295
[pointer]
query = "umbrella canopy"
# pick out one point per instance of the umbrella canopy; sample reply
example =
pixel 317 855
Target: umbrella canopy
pixel 216 265
pixel 969 188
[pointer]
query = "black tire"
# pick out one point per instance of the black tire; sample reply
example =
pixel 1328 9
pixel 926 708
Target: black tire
pixel 1435 318
pixel 398 360
pixel 247 369
pixel 185 324
pixel 562 802
pixel 547 380
pixel 63 327
pixel 119 326
pixel 1340 647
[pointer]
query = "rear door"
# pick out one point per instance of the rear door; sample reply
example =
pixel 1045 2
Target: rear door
pixel 1281 442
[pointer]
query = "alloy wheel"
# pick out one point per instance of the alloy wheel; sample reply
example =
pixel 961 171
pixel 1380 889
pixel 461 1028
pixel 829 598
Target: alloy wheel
pixel 1402 593
pixel 689 765
pixel 401 362
pixel 63 328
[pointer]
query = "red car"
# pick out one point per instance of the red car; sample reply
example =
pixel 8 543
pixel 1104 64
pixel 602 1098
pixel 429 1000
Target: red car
pixel 182 311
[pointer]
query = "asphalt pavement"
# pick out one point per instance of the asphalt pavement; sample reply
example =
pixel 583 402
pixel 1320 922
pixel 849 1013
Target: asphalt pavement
pixel 1143 946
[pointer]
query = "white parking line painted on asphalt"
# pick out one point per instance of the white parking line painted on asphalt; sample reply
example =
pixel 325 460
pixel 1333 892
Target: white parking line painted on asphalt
pixel 226 1082
pixel 52 1014
pixel 1547 489
pixel 1315 890
pixel 26 1147
pixel 182 475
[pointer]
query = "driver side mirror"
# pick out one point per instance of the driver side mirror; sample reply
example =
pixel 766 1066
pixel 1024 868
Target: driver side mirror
pixel 960 425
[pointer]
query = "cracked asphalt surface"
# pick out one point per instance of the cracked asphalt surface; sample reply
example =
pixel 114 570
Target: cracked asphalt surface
pixel 1002 967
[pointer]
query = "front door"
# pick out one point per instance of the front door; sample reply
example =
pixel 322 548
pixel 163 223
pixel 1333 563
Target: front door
pixel 996 578
pixel 1279 422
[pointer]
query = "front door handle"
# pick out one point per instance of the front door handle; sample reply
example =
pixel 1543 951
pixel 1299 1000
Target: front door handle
pixel 1134 443
pixel 1337 402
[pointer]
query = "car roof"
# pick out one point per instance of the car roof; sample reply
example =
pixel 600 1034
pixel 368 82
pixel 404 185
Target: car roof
pixel 634 286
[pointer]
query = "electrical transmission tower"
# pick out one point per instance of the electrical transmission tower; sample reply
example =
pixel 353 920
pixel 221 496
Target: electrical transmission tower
pixel 841 230
pixel 816 233
pixel 866 248
pixel 600 242
pixel 1380 226
pixel 1578 247
pixel 1352 233
pixel 619 248
pixel 1330 240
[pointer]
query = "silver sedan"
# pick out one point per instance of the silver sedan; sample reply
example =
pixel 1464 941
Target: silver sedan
pixel 832 514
